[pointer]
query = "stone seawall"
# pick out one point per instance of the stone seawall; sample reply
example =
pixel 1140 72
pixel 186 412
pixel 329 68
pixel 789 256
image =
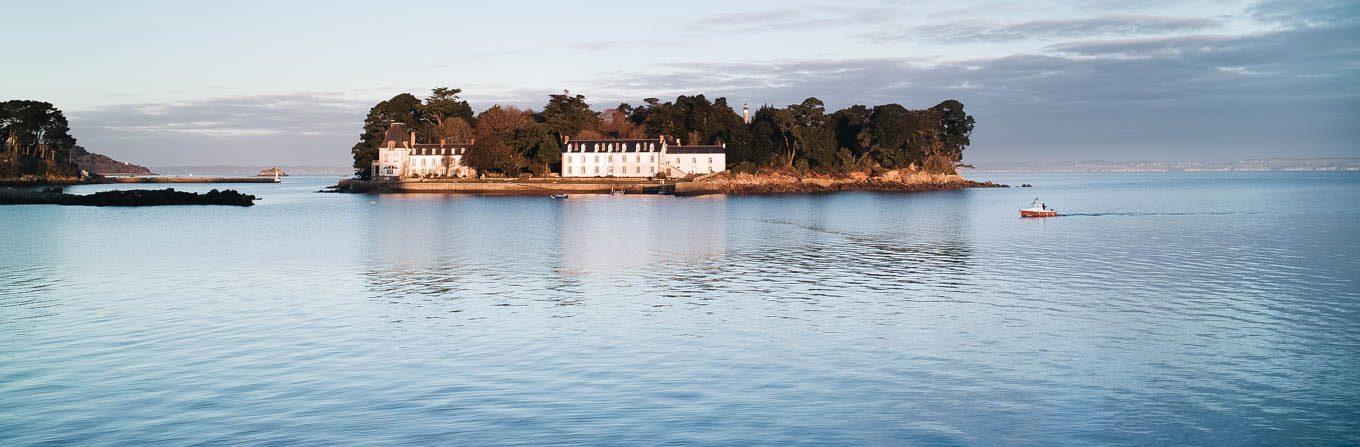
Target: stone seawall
pixel 531 187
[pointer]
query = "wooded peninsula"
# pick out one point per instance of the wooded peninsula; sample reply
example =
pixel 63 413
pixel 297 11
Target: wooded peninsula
pixel 36 146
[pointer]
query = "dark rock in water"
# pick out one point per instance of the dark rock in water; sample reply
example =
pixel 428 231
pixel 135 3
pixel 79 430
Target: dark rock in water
pixel 1026 185
pixel 135 197
pixel 53 190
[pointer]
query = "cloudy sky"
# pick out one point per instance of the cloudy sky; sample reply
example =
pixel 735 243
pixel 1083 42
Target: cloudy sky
pixel 271 82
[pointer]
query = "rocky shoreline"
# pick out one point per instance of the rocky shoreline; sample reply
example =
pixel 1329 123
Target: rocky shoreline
pixel 724 183
pixel 780 183
pixel 135 197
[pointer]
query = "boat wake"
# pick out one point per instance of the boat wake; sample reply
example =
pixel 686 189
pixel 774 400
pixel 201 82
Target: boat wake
pixel 1140 214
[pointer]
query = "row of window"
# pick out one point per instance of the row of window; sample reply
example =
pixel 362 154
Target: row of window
pixel 607 146
pixel 429 162
pixel 623 158
pixel 636 158
pixel 609 170
pixel 437 151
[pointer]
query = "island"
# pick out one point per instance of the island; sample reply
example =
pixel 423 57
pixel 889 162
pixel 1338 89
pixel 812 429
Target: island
pixel 689 146
pixel 272 172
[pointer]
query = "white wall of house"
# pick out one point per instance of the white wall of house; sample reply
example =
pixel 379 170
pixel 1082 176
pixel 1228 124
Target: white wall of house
pixel 680 165
pixel 604 159
pixel 392 161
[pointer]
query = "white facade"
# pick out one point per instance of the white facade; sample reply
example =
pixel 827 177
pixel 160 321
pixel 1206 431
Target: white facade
pixel 401 157
pixel 698 160
pixel 638 158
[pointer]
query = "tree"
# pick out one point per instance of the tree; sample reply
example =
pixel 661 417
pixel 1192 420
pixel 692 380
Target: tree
pixel 852 129
pixel 956 128
pixel 35 137
pixel 490 154
pixel 889 134
pixel 537 147
pixel 498 129
pixel 568 115
pixel 444 103
pixel 772 132
pixel 614 123
pixel 454 130
pixel 404 108
pixel 501 121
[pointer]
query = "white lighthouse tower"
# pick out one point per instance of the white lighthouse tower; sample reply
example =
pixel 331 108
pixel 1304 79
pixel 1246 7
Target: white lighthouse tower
pixel 745 113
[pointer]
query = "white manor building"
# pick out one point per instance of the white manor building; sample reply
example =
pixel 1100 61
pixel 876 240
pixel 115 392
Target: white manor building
pixel 639 158
pixel 400 156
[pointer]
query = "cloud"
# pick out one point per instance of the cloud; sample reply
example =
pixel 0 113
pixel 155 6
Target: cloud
pixel 990 31
pixel 1306 13
pixel 1271 92
pixel 796 20
pixel 299 128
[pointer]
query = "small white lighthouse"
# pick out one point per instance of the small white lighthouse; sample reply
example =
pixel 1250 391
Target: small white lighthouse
pixel 745 113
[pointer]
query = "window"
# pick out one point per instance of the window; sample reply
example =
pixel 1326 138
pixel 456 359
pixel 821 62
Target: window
pixel 637 169
pixel 568 169
pixel 710 160
pixel 651 146
pixel 649 158
pixel 694 160
pixel 597 169
pixel 637 158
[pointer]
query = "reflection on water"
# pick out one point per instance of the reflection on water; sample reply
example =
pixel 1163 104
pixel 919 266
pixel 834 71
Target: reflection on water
pixel 1168 309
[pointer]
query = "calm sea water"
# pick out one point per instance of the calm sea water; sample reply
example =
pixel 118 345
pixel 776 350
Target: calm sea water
pixel 1166 309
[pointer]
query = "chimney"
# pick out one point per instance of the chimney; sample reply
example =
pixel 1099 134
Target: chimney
pixel 443 142
pixel 566 139
pixel 413 138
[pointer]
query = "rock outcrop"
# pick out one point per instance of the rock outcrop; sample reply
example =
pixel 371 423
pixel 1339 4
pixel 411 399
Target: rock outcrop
pixel 134 197
pixel 778 183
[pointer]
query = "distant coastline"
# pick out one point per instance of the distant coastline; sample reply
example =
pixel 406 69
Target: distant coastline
pixel 1253 165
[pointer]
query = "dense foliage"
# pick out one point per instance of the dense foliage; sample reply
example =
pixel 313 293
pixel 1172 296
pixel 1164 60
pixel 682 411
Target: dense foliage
pixel 35 140
pixel 802 137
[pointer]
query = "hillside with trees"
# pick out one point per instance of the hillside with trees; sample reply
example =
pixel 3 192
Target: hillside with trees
pixel 36 145
pixel 35 142
pixel 802 137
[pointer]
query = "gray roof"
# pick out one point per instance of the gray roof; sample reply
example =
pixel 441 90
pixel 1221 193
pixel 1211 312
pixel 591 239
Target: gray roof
pixel 640 145
pixel 395 132
pixel 696 150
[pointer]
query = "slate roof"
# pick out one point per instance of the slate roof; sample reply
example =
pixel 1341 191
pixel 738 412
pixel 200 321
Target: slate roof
pixel 589 146
pixel 395 132
pixel 441 149
pixel 696 150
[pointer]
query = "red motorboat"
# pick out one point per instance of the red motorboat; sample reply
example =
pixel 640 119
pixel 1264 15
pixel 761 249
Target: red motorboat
pixel 1038 209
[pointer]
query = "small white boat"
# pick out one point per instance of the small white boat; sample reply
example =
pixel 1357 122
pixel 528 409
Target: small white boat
pixel 558 196
pixel 1038 209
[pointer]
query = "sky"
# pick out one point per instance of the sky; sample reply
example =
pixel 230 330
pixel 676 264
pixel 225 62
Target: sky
pixel 289 83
